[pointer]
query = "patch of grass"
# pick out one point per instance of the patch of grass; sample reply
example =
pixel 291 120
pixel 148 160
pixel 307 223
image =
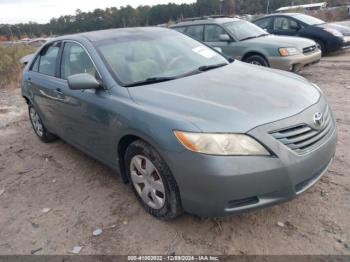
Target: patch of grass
pixel 10 67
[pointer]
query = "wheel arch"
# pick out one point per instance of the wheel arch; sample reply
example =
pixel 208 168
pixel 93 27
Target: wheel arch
pixel 251 53
pixel 123 143
pixel 27 100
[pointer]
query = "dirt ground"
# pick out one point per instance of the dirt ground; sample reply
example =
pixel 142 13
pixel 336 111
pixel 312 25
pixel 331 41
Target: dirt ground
pixel 81 195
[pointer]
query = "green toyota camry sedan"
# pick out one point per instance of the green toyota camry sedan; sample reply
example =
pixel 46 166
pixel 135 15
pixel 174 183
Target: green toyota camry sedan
pixel 245 41
pixel 188 129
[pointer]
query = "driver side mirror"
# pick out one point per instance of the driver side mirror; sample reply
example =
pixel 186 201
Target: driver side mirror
pixel 225 38
pixel 83 81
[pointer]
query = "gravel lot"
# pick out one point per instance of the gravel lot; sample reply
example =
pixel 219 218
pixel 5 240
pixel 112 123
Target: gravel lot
pixel 55 197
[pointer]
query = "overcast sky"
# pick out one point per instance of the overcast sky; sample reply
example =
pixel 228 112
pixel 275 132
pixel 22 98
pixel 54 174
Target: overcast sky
pixel 41 11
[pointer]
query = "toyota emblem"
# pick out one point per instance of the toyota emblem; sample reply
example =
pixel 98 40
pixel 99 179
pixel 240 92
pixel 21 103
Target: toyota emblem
pixel 318 119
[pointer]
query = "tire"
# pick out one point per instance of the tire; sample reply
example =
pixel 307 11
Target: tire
pixel 257 60
pixel 139 158
pixel 321 46
pixel 38 126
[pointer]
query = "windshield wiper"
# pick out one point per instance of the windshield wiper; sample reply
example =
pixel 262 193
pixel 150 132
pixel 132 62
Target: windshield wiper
pixel 263 35
pixel 151 80
pixel 251 37
pixel 210 67
pixel 247 38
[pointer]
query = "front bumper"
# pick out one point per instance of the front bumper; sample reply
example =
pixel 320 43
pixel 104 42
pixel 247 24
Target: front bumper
pixel 295 63
pixel 213 186
pixel 346 43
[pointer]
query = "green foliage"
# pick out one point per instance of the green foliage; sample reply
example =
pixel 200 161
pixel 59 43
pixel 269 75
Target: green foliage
pixel 10 67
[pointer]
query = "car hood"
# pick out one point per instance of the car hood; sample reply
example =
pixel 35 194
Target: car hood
pixel 345 30
pixel 234 98
pixel 282 41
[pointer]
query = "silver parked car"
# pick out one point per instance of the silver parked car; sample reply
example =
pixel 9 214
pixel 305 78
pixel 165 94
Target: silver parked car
pixel 247 42
pixel 186 128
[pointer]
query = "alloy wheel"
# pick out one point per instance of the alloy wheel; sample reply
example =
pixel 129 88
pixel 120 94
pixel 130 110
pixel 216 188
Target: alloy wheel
pixel 36 122
pixel 147 181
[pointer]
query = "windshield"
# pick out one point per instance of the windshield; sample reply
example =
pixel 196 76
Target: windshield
pixel 152 55
pixel 242 30
pixel 309 20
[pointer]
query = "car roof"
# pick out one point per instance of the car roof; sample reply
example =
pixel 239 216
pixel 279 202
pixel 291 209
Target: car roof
pixel 279 14
pixel 200 21
pixel 100 35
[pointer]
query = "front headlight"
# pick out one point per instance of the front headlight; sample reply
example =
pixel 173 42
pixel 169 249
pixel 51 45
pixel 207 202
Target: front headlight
pixel 221 144
pixel 288 51
pixel 334 32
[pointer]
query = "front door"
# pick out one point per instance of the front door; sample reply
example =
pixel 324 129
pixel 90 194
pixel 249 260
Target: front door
pixel 84 119
pixel 285 26
pixel 216 37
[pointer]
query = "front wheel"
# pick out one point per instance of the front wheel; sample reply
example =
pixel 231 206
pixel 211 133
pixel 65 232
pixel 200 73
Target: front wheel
pixel 320 45
pixel 257 60
pixel 38 126
pixel 152 181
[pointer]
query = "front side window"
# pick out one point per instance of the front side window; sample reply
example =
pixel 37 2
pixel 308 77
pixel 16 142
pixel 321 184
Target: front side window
pixel 195 31
pixel 46 61
pixel 75 60
pixel 283 23
pixel 213 32
pixel 166 54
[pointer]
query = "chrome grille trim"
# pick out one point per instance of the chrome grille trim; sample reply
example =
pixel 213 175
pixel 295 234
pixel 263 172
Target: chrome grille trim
pixel 303 138
pixel 309 49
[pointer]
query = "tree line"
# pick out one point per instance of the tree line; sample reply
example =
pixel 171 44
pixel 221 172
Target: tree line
pixel 128 16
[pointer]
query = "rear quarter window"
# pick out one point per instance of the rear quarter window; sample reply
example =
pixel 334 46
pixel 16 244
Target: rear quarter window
pixel 195 31
pixel 45 62
pixel 180 29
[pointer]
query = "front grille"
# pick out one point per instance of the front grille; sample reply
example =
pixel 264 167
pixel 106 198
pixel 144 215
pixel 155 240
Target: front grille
pixel 302 138
pixel 309 49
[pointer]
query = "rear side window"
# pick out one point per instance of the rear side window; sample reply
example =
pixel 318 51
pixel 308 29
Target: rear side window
pixel 46 61
pixel 180 29
pixel 195 31
pixel 213 32
pixel 264 23
pixel 75 60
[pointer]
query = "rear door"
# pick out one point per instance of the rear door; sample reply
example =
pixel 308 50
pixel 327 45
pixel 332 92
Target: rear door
pixel 285 26
pixel 43 83
pixel 195 31
pixel 266 24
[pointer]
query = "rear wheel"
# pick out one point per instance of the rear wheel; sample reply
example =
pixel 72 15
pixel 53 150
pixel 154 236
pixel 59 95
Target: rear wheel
pixel 257 60
pixel 152 181
pixel 38 126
